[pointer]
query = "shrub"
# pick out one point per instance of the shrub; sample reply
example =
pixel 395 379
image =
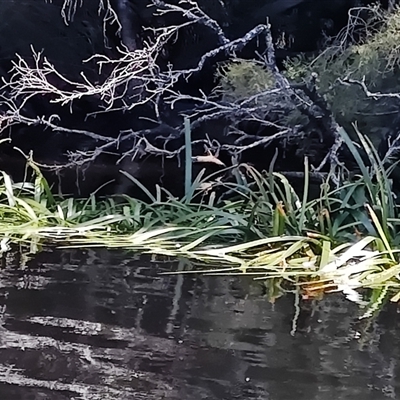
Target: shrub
pixel 367 50
pixel 239 79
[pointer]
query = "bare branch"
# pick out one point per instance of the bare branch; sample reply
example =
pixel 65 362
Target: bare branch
pixel 135 78
pixel 195 14
pixel 374 95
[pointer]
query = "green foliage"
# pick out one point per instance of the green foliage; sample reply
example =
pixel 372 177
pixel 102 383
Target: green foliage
pixel 345 239
pixel 239 79
pixel 374 58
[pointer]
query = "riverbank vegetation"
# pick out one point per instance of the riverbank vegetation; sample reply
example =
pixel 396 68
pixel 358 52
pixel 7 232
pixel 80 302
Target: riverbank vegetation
pixel 336 231
pixel 344 239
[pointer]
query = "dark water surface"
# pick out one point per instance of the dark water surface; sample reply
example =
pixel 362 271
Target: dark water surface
pixel 85 324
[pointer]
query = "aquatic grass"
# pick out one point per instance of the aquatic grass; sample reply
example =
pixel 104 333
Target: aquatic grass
pixel 377 189
pixel 68 219
pixel 312 264
pixel 341 241
pixel 188 158
pixel 251 214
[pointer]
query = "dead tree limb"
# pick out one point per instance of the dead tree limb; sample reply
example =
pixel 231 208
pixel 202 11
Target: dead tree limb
pixel 136 79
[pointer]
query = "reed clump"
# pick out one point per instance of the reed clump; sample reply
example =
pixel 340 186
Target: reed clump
pixel 343 240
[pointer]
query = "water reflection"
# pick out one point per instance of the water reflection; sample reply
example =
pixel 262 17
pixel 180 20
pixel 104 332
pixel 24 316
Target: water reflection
pixel 84 324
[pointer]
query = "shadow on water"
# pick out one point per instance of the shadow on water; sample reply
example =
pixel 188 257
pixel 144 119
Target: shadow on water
pixel 84 324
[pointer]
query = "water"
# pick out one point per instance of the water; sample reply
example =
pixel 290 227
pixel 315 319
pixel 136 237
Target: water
pixel 85 324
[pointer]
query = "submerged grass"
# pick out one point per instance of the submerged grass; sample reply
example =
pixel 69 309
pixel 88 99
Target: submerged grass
pixel 345 239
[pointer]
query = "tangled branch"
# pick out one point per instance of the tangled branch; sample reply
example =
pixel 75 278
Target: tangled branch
pixel 135 78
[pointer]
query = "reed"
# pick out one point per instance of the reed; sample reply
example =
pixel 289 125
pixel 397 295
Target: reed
pixel 344 240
